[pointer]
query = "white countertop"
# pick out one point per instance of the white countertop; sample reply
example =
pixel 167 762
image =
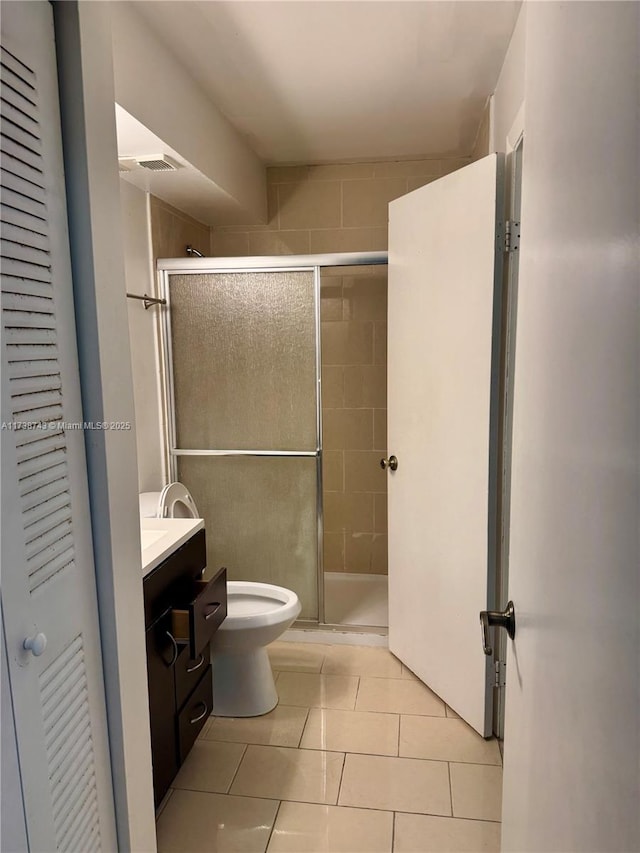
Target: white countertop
pixel 160 537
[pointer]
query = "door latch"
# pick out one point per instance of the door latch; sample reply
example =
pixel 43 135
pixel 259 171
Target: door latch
pixel 502 619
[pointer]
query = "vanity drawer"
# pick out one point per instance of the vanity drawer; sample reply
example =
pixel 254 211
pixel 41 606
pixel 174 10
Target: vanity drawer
pixel 199 611
pixel 188 671
pixel 195 714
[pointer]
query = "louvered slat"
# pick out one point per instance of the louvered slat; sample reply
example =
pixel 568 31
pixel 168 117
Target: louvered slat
pixel 21 71
pixel 43 494
pixel 23 187
pixel 19 252
pixel 27 368
pixel 21 218
pixel 21 235
pixel 40 464
pixel 40 513
pixel 13 113
pixel 28 385
pixel 24 352
pixel 20 165
pixel 51 567
pixel 31 156
pixel 36 442
pixel 40 478
pixel 17 201
pixel 14 94
pixel 32 272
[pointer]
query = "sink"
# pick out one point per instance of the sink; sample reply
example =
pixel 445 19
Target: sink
pixel 148 537
pixel 160 537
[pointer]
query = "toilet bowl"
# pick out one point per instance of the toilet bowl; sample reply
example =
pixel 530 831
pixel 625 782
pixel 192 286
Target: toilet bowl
pixel 257 614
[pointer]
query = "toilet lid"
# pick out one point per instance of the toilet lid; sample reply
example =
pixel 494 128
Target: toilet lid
pixel 176 502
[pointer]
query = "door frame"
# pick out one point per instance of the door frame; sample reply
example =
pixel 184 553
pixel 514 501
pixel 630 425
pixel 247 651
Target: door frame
pixel 512 210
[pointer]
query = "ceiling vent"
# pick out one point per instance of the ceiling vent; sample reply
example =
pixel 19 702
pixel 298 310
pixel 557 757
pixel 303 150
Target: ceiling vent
pixel 157 163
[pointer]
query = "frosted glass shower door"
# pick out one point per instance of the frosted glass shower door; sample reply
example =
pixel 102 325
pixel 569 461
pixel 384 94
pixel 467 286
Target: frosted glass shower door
pixel 244 431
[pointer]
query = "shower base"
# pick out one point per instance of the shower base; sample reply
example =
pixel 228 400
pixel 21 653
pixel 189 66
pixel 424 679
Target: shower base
pixel 356 599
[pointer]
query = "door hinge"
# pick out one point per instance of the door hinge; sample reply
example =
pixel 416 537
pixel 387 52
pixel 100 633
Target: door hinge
pixel 511 237
pixel 499 673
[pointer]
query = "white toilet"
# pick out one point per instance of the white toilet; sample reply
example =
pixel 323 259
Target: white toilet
pixel 257 614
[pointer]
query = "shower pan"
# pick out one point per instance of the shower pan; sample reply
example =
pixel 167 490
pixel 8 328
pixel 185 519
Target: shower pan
pixel 241 350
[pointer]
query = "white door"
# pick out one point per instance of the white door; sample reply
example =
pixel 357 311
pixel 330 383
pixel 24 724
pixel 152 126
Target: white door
pixel 572 729
pixel 442 415
pixel 48 584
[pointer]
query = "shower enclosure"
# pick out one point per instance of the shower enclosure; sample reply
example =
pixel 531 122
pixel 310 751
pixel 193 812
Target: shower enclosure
pixel 242 378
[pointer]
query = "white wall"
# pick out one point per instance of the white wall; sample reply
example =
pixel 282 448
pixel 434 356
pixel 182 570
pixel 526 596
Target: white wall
pixel 509 92
pixel 143 327
pixel 155 88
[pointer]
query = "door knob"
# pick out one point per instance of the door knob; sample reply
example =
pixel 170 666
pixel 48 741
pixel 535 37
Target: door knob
pixel 502 618
pixel 391 463
pixel 36 644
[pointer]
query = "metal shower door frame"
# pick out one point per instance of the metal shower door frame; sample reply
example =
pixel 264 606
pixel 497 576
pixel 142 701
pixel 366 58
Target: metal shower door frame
pixel 291 263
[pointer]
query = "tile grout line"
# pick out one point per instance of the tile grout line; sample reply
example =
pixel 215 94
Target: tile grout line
pixel 244 752
pixel 393 831
pixel 273 826
pixel 344 762
pixel 304 726
pixel 450 787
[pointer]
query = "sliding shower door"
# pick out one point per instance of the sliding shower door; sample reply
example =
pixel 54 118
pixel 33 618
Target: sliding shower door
pixel 244 429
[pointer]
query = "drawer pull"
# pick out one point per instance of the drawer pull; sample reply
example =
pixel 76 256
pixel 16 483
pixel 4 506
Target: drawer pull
pixel 175 650
pixel 200 716
pixel 216 606
pixel 197 665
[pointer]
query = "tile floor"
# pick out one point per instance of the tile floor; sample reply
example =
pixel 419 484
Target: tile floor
pixel 358 757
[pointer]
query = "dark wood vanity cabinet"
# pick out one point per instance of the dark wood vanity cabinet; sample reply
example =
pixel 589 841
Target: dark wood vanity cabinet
pixel 182 612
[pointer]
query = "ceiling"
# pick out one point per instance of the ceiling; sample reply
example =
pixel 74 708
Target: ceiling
pixel 316 81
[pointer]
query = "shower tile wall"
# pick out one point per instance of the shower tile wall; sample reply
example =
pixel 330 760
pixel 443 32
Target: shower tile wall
pixel 354 411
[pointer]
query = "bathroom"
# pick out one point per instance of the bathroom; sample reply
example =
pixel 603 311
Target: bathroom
pixel 331 527
pixel 377 736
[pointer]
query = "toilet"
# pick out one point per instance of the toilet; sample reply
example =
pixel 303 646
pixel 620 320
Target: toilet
pixel 257 614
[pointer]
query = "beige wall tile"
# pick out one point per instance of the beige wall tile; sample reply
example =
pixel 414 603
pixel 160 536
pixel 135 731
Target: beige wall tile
pixel 380 344
pixel 380 513
pixel 333 548
pixel 287 174
pixel 348 429
pixel 273 212
pixel 367 202
pixel 332 386
pixel 278 242
pixel 365 297
pixel 331 299
pixel 172 231
pixel 365 386
pixel 347 343
pixel 362 472
pixel 380 554
pixel 366 552
pixel 416 183
pixel 346 511
pixel 315 204
pixel 418 168
pixel 228 244
pixel 380 430
pixel 340 171
pixel 332 470
pixel 349 239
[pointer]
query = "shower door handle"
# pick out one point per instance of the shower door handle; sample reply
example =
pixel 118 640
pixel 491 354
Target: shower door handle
pixel 391 463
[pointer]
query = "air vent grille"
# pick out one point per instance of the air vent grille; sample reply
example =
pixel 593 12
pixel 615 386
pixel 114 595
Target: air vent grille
pixel 157 165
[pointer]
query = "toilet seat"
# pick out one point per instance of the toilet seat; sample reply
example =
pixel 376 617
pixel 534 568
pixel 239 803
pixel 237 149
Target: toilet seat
pixel 174 501
pixel 255 605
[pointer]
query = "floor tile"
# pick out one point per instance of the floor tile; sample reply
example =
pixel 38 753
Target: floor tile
pixel 210 766
pixel 300 657
pixel 427 834
pixel 408 674
pixel 397 696
pixel 451 712
pixel 396 784
pixel 360 660
pixel 351 731
pixel 281 727
pixel 445 739
pixel 306 828
pixel 302 775
pixel 313 690
pixel 476 791
pixel 195 821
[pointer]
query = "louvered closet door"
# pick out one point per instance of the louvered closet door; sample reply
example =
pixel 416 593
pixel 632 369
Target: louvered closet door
pixel 48 583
